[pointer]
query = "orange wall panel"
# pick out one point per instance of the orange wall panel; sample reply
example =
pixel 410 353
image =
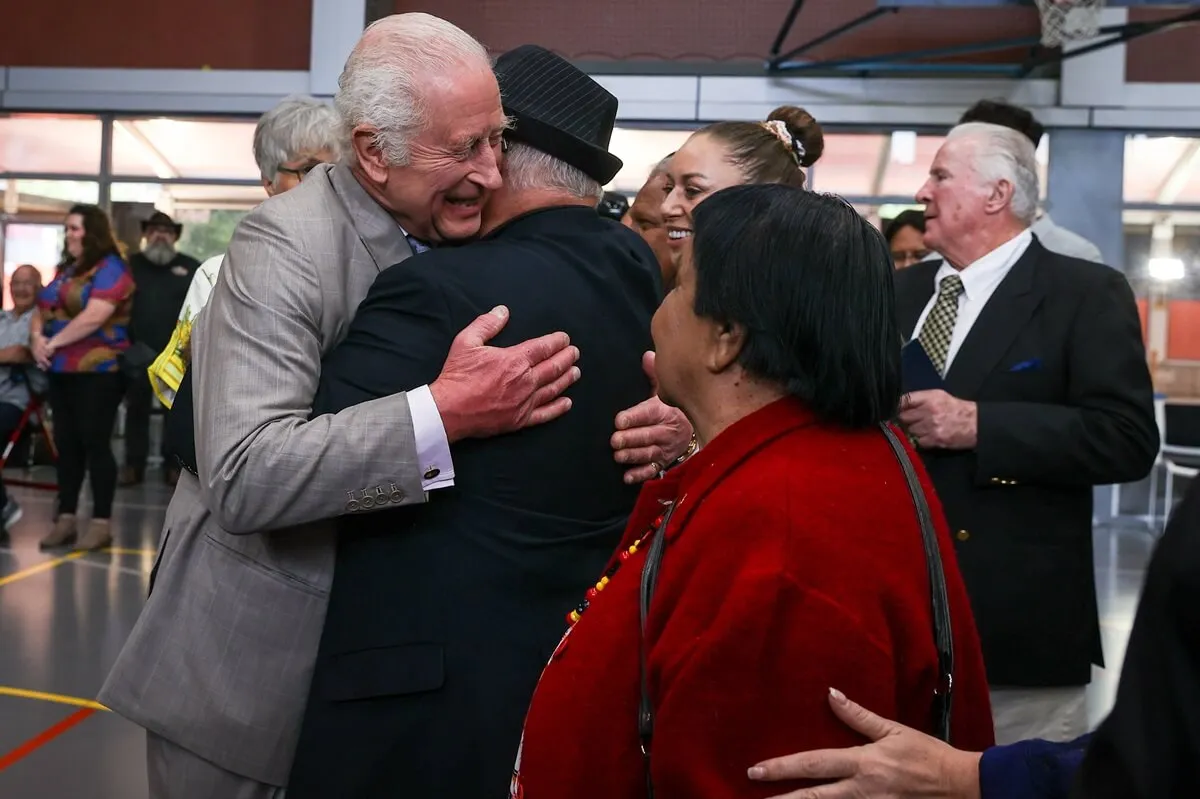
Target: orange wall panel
pixel 152 34
pixel 1143 312
pixel 735 30
pixel 1183 330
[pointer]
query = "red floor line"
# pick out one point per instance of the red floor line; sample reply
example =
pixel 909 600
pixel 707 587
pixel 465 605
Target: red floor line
pixel 44 737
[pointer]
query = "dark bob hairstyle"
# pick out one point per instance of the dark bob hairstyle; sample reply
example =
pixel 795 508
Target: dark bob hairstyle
pixel 811 282
pixel 910 218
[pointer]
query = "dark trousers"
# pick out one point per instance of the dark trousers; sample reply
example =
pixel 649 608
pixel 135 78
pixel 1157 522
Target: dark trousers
pixel 85 410
pixel 139 401
pixel 10 417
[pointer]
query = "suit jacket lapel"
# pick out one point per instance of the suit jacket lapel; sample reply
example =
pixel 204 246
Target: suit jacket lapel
pixel 912 295
pixel 376 228
pixel 997 326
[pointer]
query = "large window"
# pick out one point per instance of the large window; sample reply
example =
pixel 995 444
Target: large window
pixel 44 143
pixel 200 171
pixel 184 148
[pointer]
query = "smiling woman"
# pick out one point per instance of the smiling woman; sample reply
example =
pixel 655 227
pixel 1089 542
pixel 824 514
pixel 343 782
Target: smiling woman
pixel 729 154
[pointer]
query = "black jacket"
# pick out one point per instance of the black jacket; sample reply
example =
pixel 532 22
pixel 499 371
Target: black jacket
pixel 442 616
pixel 160 293
pixel 1057 366
pixel 1148 746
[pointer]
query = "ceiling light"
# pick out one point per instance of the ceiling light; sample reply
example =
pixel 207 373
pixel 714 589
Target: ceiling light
pixel 1166 269
pixel 904 147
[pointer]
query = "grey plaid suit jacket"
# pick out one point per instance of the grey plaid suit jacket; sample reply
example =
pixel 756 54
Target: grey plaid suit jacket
pixel 221 657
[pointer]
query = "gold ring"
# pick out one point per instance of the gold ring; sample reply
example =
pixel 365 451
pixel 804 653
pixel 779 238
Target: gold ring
pixel 657 468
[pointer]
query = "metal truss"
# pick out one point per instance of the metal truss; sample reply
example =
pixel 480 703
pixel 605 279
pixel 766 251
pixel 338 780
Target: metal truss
pixel 784 63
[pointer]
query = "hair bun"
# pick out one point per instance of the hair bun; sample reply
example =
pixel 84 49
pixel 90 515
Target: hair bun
pixel 805 128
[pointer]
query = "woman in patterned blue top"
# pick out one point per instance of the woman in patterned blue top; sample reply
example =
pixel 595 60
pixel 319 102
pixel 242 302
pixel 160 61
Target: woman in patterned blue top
pixel 78 335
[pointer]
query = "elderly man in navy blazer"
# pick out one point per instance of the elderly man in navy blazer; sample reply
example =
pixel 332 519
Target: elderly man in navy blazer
pixel 441 618
pixel 1040 391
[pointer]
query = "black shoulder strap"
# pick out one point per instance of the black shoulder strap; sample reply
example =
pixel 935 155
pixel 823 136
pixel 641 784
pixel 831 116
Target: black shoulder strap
pixel 649 581
pixel 942 632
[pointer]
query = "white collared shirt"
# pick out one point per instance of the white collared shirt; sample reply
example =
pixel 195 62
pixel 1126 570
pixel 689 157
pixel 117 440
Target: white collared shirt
pixel 979 280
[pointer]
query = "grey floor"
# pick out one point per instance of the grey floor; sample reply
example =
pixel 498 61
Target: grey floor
pixel 62 626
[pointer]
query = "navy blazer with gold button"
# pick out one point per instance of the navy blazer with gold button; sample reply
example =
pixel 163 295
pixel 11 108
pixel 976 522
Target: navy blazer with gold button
pixel 1057 366
pixel 442 615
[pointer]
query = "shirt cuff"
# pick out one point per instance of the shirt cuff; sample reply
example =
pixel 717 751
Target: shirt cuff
pixel 433 450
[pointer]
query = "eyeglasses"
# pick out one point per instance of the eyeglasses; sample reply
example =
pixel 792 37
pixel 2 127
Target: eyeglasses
pixel 299 172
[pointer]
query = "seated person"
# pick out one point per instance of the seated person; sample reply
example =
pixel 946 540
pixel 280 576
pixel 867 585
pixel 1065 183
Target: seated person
pixel 17 374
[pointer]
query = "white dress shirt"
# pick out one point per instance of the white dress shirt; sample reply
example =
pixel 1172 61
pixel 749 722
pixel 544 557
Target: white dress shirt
pixel 979 280
pixel 433 450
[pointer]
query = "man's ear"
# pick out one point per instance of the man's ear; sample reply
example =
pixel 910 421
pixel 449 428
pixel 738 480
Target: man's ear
pixel 999 197
pixel 370 158
pixel 726 341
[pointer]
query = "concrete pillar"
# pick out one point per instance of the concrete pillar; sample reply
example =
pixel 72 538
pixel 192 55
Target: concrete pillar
pixel 1085 188
pixel 336 26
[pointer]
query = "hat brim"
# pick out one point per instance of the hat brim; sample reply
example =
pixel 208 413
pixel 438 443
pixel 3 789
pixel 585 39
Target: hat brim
pixel 595 162
pixel 177 225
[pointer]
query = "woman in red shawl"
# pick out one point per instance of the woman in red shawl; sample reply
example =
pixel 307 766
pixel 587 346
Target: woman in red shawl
pixel 793 555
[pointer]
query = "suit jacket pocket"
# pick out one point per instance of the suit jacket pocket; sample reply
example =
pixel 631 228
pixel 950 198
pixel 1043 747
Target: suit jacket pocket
pixel 387 671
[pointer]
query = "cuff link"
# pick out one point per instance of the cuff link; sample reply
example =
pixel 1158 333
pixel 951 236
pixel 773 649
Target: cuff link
pixel 431 472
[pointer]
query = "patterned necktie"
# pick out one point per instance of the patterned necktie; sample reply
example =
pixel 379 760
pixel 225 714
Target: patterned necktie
pixel 417 245
pixel 939 325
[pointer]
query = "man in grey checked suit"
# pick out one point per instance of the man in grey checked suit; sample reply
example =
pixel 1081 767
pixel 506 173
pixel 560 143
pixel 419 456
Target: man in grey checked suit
pixel 217 667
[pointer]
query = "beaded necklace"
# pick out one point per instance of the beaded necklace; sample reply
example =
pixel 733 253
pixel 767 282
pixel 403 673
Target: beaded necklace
pixel 625 555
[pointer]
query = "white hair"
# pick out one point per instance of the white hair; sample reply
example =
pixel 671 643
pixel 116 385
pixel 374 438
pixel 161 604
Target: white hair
pixel 295 126
pixel 382 85
pixel 528 168
pixel 1004 154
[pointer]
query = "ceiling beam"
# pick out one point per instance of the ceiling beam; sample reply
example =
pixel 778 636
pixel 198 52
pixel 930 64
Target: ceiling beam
pixel 1181 173
pixel 881 165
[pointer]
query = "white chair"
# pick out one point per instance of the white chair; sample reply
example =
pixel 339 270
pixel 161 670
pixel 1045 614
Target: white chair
pixel 1176 470
pixel 1178 461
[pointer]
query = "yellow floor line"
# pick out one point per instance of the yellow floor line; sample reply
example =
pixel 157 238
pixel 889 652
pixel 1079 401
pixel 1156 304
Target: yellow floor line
pixel 41 696
pixel 120 551
pixel 41 567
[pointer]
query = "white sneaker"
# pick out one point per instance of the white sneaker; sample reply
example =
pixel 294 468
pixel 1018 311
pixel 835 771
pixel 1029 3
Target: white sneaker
pixel 11 514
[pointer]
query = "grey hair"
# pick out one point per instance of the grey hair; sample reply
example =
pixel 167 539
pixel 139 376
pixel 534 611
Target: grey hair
pixel 1005 154
pixel 382 85
pixel 528 168
pixel 296 125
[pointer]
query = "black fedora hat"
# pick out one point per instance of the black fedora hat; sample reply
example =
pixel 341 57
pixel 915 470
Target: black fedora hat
pixel 558 109
pixel 159 219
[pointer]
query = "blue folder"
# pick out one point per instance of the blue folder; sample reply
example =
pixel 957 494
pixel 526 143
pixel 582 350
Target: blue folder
pixel 917 371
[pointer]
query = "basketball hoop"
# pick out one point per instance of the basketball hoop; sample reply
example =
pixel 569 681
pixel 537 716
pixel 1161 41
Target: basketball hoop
pixel 1069 20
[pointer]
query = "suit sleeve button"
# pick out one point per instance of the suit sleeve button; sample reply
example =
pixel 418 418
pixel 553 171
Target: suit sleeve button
pixel 962 535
